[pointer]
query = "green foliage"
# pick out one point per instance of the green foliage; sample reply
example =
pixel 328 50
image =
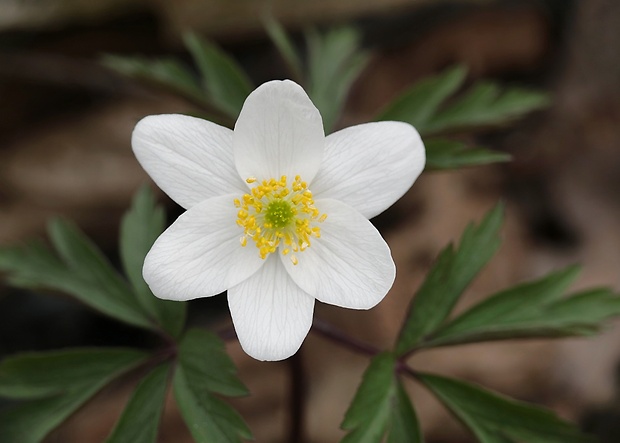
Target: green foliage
pixel 450 154
pixel 222 88
pixel 487 104
pixel 21 376
pixel 381 406
pixel 496 419
pixel 429 105
pixel 420 103
pixel 78 268
pixel 531 310
pixel 140 227
pixel 334 62
pixel 55 385
pixel 225 83
pixel 285 47
pixel 163 72
pixel 449 277
pixel 204 370
pixel 140 419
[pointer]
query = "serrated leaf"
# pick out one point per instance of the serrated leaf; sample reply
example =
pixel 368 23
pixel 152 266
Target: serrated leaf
pixel 91 278
pixel 452 273
pixel 335 61
pixel 41 374
pixel 207 365
pixel 206 369
pixel 140 227
pixel 30 422
pixel 404 425
pixel 285 47
pixel 72 377
pixel 496 419
pixel 487 104
pixel 208 418
pixel 381 407
pixel 532 310
pixel 80 270
pixel 449 154
pixel 226 84
pixel 140 419
pixel 421 101
pixel 164 72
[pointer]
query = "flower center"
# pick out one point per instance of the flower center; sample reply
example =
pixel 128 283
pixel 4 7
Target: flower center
pixel 279 213
pixel 275 214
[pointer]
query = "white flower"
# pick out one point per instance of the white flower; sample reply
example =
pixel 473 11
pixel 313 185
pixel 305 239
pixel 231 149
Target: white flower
pixel 277 213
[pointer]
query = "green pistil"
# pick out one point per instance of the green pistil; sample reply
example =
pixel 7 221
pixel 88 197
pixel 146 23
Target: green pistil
pixel 279 214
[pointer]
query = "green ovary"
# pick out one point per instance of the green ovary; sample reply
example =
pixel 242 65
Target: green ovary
pixel 279 213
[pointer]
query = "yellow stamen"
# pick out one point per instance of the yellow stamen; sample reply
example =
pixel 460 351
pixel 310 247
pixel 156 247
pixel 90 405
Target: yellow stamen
pixel 274 212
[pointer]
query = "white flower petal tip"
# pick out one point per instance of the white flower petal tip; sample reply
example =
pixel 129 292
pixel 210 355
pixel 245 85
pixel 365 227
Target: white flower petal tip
pixel 350 265
pixel 277 213
pixel 385 156
pixel 279 132
pixel 199 254
pixel 190 159
pixel 271 314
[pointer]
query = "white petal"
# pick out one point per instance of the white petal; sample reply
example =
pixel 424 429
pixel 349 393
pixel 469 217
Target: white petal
pixel 190 159
pixel 279 132
pixel 271 314
pixel 370 166
pixel 350 265
pixel 200 254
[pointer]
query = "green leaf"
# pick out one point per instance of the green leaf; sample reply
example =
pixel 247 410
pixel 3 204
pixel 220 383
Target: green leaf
pixel 497 419
pixel 140 419
pixel 285 47
pixel 532 310
pixel 335 62
pixel 81 270
pixel 226 84
pixel 449 277
pixel 140 227
pixel 450 154
pixel 207 365
pixel 208 418
pixel 404 425
pixel 425 105
pixel 41 374
pixel 72 377
pixel 381 406
pixel 30 422
pixel 487 104
pixel 95 282
pixel 204 370
pixel 419 103
pixel 164 72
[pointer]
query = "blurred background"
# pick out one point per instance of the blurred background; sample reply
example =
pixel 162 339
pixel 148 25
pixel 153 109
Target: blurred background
pixel 65 127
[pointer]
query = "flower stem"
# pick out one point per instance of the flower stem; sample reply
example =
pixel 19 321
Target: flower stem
pixel 328 331
pixel 297 398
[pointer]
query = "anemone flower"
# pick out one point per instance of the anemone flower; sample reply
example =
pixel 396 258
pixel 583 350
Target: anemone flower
pixel 276 212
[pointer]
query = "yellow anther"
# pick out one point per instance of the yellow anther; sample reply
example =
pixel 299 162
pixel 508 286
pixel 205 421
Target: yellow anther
pixel 275 212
